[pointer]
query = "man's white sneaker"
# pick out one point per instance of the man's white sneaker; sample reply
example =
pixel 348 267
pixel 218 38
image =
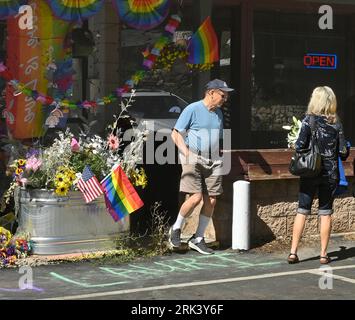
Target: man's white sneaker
pixel 201 246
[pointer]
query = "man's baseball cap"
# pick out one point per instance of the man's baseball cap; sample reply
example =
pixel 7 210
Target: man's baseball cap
pixel 218 84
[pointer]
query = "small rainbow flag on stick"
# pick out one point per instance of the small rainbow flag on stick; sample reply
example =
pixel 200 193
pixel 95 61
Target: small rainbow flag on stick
pixel 203 45
pixel 120 195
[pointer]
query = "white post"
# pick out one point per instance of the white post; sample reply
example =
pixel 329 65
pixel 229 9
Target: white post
pixel 241 215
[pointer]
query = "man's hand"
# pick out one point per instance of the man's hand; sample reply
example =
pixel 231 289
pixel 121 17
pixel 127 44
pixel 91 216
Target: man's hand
pixel 208 163
pixel 179 141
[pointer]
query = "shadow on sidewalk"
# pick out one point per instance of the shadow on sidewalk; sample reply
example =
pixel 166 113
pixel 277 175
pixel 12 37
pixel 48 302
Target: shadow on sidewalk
pixel 342 254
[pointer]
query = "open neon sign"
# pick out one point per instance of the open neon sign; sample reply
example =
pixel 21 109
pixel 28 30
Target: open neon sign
pixel 320 61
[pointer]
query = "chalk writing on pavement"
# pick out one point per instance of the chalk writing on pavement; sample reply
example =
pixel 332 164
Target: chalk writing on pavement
pixel 136 272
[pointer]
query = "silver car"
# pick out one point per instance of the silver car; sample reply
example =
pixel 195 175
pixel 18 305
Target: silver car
pixel 157 108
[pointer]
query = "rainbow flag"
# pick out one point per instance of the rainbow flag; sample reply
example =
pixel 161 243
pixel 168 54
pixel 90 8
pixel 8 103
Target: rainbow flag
pixel 203 45
pixel 120 195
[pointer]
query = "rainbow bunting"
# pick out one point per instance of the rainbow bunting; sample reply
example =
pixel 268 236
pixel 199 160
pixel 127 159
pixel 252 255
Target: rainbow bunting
pixel 142 14
pixel 203 45
pixel 74 10
pixel 120 195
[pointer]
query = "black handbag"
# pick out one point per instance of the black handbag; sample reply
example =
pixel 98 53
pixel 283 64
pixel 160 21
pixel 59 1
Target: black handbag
pixel 307 162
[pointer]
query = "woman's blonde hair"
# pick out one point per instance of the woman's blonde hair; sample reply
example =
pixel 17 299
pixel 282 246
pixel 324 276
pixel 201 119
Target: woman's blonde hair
pixel 323 102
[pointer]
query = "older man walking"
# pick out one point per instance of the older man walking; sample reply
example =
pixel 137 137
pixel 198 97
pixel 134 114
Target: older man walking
pixel 196 134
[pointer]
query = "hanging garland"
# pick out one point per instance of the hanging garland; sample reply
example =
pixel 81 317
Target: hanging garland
pixel 148 63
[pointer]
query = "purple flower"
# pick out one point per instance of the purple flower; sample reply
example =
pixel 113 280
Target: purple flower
pixel 32 153
pixel 10 251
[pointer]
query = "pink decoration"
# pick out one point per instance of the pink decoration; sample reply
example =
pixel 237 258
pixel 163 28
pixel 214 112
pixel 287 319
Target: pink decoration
pixel 148 63
pixel 33 164
pixel 41 99
pixel 173 23
pixel 75 147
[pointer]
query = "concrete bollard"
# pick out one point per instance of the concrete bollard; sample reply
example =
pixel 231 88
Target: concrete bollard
pixel 241 215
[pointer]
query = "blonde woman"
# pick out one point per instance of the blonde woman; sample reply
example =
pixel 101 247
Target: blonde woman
pixel 331 142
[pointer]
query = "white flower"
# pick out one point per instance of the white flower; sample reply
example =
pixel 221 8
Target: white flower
pixel 294 129
pixel 78 176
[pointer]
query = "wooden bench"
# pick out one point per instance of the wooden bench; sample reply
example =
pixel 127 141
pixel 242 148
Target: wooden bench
pixel 270 164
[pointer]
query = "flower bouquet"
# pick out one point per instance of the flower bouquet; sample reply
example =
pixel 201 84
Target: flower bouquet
pixel 59 166
pixel 294 131
pixel 13 248
pixel 50 203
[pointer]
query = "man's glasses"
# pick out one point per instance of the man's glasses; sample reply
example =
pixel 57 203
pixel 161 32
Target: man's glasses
pixel 223 96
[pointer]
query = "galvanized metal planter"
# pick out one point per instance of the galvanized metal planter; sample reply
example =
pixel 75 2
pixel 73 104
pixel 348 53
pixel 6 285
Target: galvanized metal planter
pixel 60 225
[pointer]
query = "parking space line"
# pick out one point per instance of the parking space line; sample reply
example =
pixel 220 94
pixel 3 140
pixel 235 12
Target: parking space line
pixel 193 284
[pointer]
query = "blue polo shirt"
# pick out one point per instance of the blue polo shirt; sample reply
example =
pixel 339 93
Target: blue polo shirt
pixel 204 128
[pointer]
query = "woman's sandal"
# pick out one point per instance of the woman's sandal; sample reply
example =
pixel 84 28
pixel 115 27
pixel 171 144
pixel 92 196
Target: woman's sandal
pixel 292 258
pixel 325 260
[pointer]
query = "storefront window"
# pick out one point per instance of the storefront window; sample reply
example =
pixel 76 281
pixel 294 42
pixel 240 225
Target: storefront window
pixel 177 79
pixel 281 82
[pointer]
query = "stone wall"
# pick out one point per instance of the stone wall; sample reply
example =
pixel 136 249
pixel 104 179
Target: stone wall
pixel 273 208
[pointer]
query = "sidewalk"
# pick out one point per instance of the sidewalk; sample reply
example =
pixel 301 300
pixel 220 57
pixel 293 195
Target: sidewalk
pixel 258 274
pixel 279 247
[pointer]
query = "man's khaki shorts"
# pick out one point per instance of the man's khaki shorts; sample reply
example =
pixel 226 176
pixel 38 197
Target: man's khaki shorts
pixel 197 178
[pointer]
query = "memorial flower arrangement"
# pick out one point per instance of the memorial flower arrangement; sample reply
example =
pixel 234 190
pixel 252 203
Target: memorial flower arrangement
pixel 59 166
pixel 13 247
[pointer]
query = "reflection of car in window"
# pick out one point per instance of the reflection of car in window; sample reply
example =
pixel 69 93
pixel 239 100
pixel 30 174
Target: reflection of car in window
pixel 163 107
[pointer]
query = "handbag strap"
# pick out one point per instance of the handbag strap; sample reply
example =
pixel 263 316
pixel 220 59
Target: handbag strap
pixel 313 126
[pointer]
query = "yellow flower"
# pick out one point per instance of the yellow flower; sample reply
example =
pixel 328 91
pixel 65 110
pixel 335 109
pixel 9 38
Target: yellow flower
pixel 12 259
pixel 7 236
pixel 106 100
pixel 21 162
pixel 19 171
pixel 60 178
pixel 71 177
pixel 62 189
pixel 140 178
pixel 64 175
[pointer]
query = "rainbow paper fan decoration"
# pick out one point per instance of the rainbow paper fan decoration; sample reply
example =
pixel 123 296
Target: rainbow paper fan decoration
pixel 142 14
pixel 75 10
pixel 10 7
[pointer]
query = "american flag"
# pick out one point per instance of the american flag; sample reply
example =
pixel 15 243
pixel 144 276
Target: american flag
pixel 89 185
